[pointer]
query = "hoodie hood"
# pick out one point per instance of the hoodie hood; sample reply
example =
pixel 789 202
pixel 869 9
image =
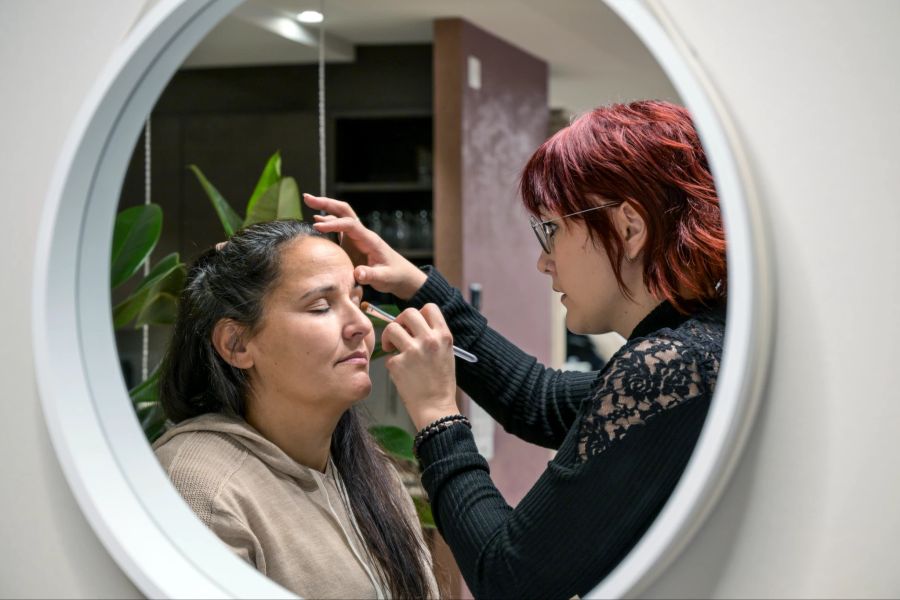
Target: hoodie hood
pixel 244 434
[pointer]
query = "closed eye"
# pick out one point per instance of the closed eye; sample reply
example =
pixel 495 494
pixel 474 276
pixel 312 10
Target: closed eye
pixel 320 307
pixel 332 295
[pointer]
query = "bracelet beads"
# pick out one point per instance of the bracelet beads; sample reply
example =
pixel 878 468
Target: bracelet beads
pixel 436 427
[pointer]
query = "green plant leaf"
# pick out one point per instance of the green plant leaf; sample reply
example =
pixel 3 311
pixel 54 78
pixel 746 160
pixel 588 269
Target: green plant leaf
pixel 167 277
pixel 423 509
pixel 396 441
pixel 145 399
pixel 280 201
pixel 289 206
pixel 136 234
pixel 231 221
pixel 146 392
pixel 161 306
pixel 265 208
pixel 270 176
pixel 153 422
pixel 160 309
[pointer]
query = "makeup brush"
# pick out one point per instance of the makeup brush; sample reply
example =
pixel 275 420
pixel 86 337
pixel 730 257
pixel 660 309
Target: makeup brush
pixel 371 309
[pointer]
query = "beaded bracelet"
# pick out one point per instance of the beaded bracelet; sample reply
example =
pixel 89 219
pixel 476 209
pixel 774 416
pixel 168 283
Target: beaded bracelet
pixel 436 427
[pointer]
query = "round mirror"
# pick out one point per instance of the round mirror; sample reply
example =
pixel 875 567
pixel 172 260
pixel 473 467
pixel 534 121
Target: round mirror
pixel 115 476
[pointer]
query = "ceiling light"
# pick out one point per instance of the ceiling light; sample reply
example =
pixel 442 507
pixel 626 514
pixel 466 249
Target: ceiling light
pixel 310 16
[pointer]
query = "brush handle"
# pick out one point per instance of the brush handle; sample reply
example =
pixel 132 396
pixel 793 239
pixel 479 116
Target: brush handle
pixel 465 355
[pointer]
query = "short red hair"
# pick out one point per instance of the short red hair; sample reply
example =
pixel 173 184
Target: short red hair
pixel 648 154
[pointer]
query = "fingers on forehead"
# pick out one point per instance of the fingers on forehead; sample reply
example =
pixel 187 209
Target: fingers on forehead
pixel 355 229
pixel 341 208
pixel 330 204
pixel 335 223
pixel 348 222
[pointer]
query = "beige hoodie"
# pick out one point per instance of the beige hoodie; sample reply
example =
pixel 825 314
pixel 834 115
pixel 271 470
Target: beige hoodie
pixel 289 521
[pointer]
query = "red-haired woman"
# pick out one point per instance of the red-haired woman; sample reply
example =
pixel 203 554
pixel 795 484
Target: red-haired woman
pixel 628 221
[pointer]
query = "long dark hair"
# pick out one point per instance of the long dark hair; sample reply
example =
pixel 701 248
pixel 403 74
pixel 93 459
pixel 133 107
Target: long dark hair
pixel 231 283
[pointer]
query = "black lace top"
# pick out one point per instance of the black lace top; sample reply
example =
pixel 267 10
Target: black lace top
pixel 623 435
pixel 668 360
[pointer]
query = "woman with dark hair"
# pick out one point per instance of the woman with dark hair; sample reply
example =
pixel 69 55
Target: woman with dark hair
pixel 269 355
pixel 627 216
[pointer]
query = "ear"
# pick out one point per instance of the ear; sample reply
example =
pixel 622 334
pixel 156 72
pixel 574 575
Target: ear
pixel 632 229
pixel 228 340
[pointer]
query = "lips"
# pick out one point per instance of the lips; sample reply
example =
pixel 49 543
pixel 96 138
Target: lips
pixel 355 358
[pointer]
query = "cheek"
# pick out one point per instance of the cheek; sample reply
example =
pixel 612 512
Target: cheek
pixel 307 338
pixel 568 268
pixel 590 264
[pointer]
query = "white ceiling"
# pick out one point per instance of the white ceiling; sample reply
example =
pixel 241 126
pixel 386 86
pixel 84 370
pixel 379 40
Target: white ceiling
pixel 594 58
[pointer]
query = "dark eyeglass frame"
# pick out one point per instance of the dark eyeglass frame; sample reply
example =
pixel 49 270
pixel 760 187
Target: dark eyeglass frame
pixel 544 230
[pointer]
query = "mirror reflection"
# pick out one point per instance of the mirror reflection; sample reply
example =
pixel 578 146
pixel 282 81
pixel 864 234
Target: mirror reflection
pixel 578 253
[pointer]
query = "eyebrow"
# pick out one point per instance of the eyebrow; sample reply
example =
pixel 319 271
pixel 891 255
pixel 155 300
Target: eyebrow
pixel 326 289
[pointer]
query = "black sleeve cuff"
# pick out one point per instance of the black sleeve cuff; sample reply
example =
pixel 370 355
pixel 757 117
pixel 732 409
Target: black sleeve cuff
pixel 435 289
pixel 446 454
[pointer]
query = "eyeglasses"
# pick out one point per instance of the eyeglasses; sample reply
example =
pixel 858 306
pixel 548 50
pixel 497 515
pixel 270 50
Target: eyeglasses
pixel 544 230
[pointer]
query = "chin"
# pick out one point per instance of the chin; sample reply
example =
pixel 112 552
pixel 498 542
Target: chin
pixel 582 328
pixel 361 391
pixel 350 391
pixel 574 325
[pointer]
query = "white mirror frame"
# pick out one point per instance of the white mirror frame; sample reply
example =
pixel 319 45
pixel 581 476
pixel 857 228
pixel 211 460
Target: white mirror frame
pixel 116 480
pixel 749 321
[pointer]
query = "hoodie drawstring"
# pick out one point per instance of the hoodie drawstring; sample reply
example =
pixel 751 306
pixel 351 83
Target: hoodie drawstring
pixel 379 590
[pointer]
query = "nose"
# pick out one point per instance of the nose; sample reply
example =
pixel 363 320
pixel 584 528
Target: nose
pixel 545 263
pixel 358 324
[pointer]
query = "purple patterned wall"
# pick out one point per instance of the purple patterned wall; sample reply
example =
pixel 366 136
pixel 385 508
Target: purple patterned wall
pixel 501 124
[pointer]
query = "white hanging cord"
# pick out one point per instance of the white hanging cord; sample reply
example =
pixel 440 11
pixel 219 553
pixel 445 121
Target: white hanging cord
pixel 369 566
pixel 145 330
pixel 322 101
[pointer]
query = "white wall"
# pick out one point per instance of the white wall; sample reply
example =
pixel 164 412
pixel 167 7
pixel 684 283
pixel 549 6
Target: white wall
pixel 50 53
pixel 812 84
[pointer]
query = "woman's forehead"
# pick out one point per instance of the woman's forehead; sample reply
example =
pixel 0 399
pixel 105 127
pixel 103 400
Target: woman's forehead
pixel 313 262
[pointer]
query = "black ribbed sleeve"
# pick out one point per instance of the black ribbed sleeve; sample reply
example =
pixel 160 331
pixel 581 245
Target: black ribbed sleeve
pixel 529 400
pixel 622 446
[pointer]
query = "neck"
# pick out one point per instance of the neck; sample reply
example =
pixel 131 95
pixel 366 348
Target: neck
pixel 302 433
pixel 635 311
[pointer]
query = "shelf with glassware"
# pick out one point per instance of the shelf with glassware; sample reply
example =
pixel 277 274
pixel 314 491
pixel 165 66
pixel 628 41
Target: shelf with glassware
pixel 403 218
pixel 383 167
